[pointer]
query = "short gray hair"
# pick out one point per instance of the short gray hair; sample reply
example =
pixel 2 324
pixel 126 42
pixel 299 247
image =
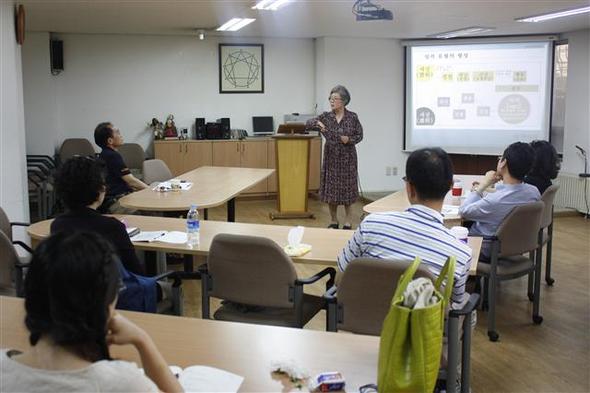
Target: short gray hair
pixel 342 92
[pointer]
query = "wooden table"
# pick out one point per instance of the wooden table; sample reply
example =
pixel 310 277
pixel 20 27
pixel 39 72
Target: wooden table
pixel 326 243
pixel 398 201
pixel 243 349
pixel 212 186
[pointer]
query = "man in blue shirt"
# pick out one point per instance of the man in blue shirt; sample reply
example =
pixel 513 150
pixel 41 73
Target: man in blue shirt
pixel 488 210
pixel 119 180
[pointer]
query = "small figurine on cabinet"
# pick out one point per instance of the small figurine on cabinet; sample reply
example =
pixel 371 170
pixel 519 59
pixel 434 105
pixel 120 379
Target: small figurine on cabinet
pixel 170 129
pixel 157 128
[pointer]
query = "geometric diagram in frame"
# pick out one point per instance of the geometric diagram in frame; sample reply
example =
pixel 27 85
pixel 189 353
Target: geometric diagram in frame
pixel 241 68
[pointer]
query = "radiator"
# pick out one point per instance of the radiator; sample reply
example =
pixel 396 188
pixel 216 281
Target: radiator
pixel 571 192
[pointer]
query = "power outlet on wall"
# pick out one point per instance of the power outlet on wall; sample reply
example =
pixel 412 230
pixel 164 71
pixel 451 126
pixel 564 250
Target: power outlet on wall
pixel 394 171
pixel 390 171
pixel 387 171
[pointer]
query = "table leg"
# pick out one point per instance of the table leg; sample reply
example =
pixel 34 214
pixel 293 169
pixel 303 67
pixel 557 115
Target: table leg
pixel 205 214
pixel 231 210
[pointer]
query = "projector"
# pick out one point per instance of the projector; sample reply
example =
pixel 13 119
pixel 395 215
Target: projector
pixel 365 10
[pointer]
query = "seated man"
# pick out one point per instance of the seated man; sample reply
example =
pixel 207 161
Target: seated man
pixel 488 211
pixel 119 179
pixel 418 231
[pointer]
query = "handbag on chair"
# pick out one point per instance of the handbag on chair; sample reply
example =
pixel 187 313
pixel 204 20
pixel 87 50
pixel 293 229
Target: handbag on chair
pixel 412 338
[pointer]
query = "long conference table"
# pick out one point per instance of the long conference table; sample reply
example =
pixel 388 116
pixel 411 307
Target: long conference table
pixel 244 349
pixel 398 201
pixel 212 186
pixel 326 243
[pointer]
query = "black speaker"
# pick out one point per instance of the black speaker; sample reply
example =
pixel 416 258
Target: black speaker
pixel 56 54
pixel 225 127
pixel 200 128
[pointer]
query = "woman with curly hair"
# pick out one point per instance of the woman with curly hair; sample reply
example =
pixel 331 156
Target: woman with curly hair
pixel 70 294
pixel 545 167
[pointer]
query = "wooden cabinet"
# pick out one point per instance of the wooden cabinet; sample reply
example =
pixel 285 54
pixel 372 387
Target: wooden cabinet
pixel 184 156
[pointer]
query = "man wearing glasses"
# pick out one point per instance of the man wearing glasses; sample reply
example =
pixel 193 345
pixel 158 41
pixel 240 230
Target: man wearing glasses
pixel 488 210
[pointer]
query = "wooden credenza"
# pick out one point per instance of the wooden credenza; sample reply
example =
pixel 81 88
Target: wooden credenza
pixel 184 156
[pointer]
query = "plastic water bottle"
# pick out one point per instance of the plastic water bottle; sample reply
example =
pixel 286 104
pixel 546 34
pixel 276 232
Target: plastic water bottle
pixel 193 226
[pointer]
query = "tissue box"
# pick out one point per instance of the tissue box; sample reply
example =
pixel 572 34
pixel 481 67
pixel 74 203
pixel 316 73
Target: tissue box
pixel 297 251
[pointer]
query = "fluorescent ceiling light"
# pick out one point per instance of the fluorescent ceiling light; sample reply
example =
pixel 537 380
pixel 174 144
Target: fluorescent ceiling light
pixel 272 5
pixel 553 15
pixel 235 24
pixel 462 32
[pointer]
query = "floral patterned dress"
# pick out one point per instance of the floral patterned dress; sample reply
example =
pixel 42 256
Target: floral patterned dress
pixel 339 175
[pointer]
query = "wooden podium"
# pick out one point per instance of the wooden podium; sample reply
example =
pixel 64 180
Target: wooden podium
pixel 292 153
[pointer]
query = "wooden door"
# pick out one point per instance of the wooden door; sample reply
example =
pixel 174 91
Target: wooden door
pixel 272 163
pixel 226 153
pixel 315 159
pixel 172 153
pixel 197 154
pixel 254 155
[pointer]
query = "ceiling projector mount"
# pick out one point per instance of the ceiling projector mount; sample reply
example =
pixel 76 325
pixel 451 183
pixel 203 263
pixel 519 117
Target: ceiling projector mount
pixel 366 10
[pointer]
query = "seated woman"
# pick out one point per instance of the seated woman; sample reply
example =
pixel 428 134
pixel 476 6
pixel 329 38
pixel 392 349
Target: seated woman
pixel 70 293
pixel 81 186
pixel 545 167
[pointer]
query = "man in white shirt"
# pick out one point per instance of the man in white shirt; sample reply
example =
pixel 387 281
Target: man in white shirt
pixel 418 231
pixel 489 210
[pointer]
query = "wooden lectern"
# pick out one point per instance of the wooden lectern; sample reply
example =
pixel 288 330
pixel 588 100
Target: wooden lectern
pixel 292 152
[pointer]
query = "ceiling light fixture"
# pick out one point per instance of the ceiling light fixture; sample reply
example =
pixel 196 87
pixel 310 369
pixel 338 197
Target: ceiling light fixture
pixel 463 32
pixel 554 15
pixel 272 5
pixel 235 24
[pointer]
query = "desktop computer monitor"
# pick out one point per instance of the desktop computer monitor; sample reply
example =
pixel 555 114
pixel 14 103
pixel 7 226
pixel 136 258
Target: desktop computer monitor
pixel 263 125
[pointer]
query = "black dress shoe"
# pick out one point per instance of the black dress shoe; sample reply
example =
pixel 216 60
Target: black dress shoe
pixel 346 226
pixel 333 226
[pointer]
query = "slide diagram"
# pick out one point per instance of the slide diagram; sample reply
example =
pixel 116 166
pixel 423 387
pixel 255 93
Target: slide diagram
pixel 500 88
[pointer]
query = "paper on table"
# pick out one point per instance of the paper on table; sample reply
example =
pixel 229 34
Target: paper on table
pixel 147 236
pixel 450 210
pixel 167 186
pixel 207 379
pixel 174 237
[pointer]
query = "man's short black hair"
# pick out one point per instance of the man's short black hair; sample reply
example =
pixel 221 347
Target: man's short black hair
pixel 519 158
pixel 79 182
pixel 102 133
pixel 430 171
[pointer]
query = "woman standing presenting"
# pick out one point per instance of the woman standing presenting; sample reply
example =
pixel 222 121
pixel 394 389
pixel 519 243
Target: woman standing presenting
pixel 342 130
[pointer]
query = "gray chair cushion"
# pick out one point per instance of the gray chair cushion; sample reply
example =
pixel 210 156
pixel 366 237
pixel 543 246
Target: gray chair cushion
pixel 509 266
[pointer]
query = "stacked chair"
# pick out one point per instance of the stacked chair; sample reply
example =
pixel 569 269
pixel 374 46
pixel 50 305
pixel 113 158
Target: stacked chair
pixel 41 171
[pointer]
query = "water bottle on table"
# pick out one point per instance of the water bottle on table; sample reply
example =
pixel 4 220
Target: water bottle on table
pixel 193 226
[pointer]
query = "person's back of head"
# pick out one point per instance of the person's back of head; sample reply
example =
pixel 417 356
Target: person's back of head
pixel 519 158
pixel 102 133
pixel 79 182
pixel 546 164
pixel 72 281
pixel 430 171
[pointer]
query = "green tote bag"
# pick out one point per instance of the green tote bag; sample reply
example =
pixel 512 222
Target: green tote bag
pixel 411 339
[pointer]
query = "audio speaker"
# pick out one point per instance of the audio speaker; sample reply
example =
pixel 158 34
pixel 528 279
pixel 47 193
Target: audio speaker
pixel 56 52
pixel 225 127
pixel 200 128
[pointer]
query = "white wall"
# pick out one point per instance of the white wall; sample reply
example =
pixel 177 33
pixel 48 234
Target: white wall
pixel 373 72
pixel 128 79
pixel 13 173
pixel 577 102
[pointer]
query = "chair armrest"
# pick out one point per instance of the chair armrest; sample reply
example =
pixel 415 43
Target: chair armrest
pixel 23 245
pixel 330 294
pixel 172 274
pixel 310 280
pixel 467 308
pixel 20 265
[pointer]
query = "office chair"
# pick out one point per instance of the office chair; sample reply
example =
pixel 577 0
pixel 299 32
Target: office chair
pixel 75 147
pixel 134 156
pixel 12 270
pixel 353 308
pixel 519 233
pixel 155 171
pixel 258 283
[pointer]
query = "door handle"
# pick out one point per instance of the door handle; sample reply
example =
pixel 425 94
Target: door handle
pixel 237 147
pixel 180 147
pixel 186 147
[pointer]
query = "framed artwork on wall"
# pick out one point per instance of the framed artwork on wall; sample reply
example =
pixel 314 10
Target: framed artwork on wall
pixel 241 68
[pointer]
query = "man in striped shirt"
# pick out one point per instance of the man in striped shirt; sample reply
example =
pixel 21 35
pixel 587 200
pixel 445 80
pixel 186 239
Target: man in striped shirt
pixel 418 231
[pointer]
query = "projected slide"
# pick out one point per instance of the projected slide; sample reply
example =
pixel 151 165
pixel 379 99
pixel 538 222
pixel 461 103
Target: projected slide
pixel 482 95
